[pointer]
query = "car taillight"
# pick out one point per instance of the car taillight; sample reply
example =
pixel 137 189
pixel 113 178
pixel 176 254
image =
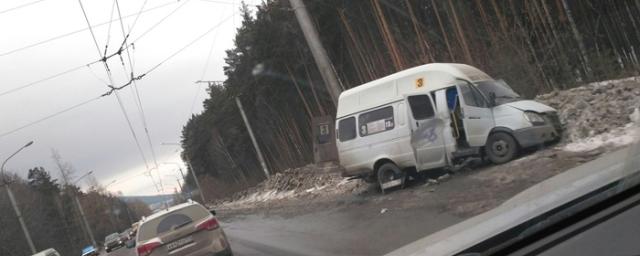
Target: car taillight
pixel 209 224
pixel 146 249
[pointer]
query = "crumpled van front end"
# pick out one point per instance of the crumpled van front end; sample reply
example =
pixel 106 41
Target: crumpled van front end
pixel 531 123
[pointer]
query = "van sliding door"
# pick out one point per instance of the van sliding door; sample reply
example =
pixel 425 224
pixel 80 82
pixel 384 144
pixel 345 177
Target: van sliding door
pixel 426 132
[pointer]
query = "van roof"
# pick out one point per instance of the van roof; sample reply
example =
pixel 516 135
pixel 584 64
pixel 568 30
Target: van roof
pixel 393 87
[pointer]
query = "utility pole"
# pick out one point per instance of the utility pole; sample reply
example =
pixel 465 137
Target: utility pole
pixel 177 180
pixel 195 178
pixel 319 53
pixel 182 175
pixel 179 184
pixel 14 203
pixel 253 138
pixel 84 217
pixel 20 219
pixel 84 220
pixel 193 173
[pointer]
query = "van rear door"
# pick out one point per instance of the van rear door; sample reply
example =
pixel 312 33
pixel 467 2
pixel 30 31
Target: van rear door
pixel 477 115
pixel 426 132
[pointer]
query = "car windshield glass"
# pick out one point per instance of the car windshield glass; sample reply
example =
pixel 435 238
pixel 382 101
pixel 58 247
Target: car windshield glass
pixel 498 89
pixel 112 237
pixel 171 221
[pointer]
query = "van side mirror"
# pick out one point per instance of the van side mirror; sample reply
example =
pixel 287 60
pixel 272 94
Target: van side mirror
pixel 212 211
pixel 492 99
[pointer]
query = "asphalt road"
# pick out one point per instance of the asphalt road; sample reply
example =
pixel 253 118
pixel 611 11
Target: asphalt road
pixel 363 231
pixel 358 231
pixel 123 251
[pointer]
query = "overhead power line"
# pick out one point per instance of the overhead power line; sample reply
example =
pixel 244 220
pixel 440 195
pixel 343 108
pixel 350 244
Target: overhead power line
pixel 80 30
pixel 93 35
pixel 104 62
pixel 112 88
pixel 50 116
pixel 135 21
pixel 160 21
pixel 20 6
pixel 190 43
pixel 104 57
pixel 135 90
pixel 45 79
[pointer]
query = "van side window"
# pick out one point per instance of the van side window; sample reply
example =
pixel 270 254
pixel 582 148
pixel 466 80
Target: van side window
pixel 347 129
pixel 471 96
pixel 376 121
pixel 421 107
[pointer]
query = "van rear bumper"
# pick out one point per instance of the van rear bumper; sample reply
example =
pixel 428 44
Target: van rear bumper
pixel 536 135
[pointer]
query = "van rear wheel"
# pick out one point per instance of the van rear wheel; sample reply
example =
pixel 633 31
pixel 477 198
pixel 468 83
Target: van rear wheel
pixel 501 148
pixel 389 175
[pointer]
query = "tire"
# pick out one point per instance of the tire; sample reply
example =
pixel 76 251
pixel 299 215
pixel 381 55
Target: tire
pixel 501 148
pixel 388 172
pixel 107 250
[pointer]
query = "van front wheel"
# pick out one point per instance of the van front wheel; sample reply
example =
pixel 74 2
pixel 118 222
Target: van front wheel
pixel 389 175
pixel 501 148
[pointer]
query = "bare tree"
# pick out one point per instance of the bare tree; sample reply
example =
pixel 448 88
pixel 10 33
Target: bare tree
pixel 66 169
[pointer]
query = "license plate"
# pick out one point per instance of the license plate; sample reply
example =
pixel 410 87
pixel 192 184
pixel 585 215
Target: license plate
pixel 179 243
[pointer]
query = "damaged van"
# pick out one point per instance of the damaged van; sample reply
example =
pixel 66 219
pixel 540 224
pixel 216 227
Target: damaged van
pixel 438 115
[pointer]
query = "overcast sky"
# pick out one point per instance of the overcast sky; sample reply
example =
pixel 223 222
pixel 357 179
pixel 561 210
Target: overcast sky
pixel 95 137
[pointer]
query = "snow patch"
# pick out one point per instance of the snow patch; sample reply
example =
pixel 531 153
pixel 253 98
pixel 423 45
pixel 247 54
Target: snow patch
pixel 618 137
pixel 614 81
pixel 264 196
pixel 316 188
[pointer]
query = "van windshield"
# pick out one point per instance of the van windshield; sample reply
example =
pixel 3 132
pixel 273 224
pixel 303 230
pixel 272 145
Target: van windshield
pixel 502 91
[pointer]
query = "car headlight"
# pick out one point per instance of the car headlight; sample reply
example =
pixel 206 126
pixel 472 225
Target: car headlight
pixel 533 117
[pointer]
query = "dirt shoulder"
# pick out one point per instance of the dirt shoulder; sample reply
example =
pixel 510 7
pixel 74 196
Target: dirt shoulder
pixel 463 194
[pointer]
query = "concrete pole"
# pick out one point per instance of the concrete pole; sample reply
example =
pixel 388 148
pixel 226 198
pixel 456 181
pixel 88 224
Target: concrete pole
pixel 20 219
pixel 183 177
pixel 84 220
pixel 13 199
pixel 179 184
pixel 195 178
pixel 319 53
pixel 81 210
pixel 253 138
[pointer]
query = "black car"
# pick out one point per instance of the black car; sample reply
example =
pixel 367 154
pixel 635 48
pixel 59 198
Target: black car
pixel 113 241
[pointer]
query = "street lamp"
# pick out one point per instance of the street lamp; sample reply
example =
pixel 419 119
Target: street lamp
pixel 84 218
pixel 13 200
pixel 82 177
pixel 5 161
pixel 111 183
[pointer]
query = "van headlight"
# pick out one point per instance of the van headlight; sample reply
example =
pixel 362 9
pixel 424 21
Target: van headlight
pixel 533 117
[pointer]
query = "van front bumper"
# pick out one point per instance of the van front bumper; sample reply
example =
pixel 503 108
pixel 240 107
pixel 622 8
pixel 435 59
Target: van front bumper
pixel 536 135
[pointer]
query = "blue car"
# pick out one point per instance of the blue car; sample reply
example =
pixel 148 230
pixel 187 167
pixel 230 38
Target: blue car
pixel 90 251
